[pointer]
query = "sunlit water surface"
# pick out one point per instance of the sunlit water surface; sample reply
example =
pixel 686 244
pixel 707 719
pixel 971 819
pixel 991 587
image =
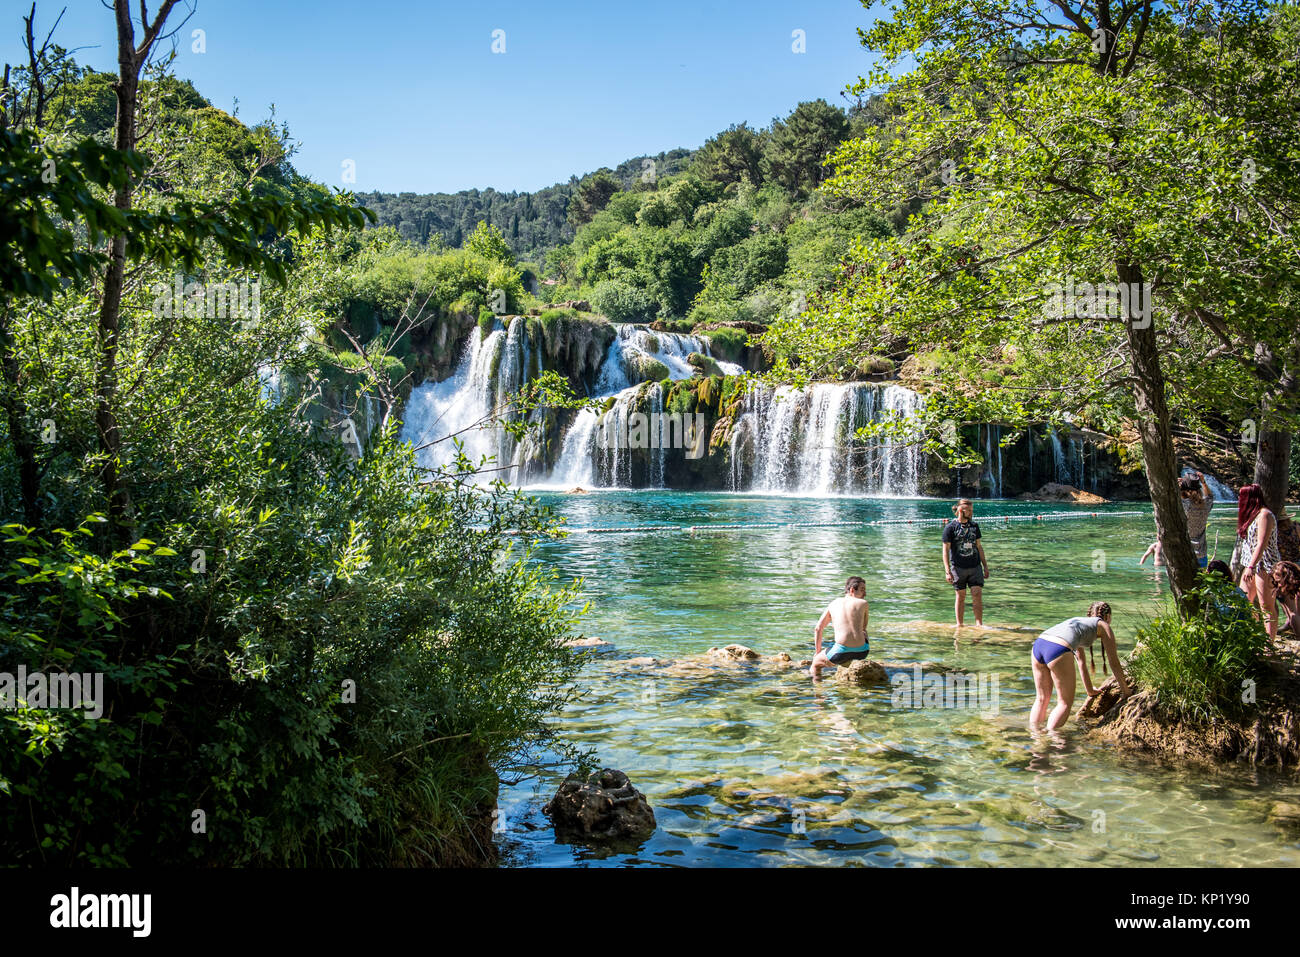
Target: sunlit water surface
pixel 755 765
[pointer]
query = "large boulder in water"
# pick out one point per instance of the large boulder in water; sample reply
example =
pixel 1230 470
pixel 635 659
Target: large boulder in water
pixel 1057 492
pixel 604 808
pixel 863 672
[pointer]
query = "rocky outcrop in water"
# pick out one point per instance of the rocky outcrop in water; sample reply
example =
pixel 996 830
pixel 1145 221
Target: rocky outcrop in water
pixel 604 808
pixel 1268 736
pixel 864 672
pixel 1057 492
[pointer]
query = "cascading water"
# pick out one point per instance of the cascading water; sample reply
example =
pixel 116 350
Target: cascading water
pixel 993 460
pixel 1220 491
pixel 783 440
pixel 583 462
pixel 490 372
pixel 801 440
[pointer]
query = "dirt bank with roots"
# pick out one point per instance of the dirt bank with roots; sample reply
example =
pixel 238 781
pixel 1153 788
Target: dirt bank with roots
pixel 1268 735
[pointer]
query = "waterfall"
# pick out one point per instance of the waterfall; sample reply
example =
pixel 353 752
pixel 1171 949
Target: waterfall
pixel 575 466
pixel 271 379
pixel 1029 437
pixel 635 343
pixel 581 461
pixel 801 441
pixel 1220 491
pixel 490 371
pixel 993 459
pixel 784 439
pixel 1058 457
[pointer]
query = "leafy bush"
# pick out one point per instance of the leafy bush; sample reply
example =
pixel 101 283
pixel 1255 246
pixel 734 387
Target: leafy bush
pixel 1196 666
pixel 622 302
pixel 487 241
pixel 228 688
pixel 554 315
pixel 875 365
pixel 728 344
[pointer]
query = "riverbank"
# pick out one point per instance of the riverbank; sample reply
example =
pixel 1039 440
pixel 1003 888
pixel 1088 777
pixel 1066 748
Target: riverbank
pixel 1270 737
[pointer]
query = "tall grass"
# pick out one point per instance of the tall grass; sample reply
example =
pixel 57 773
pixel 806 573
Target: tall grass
pixel 1200 668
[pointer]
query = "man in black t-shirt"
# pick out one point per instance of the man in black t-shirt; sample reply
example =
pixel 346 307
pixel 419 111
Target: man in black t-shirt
pixel 964 563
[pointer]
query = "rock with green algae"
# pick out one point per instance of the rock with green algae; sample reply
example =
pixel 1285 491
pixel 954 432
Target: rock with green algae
pixel 703 365
pixel 643 368
pixel 796 784
pixel 864 672
pixel 1285 816
pixel 734 653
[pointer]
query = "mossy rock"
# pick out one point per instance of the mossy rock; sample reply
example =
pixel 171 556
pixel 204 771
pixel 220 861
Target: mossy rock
pixel 703 365
pixel 644 368
pixel 728 344
pixel 710 391
pixel 874 366
pixel 681 399
pixel 487 320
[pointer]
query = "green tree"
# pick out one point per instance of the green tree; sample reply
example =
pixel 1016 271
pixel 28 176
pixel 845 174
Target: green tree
pixel 799 146
pixel 487 241
pixel 1074 165
pixel 733 155
pixel 593 192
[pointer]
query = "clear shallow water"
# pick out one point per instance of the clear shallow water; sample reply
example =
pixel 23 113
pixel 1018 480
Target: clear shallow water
pixel 754 765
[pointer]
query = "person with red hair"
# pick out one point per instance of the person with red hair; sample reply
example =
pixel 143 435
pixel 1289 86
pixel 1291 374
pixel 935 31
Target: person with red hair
pixel 1257 531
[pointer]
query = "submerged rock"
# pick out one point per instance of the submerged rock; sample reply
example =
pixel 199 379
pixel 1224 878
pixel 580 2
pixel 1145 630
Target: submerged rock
pixel 1285 817
pixel 864 672
pixel 604 808
pixel 734 652
pixel 585 643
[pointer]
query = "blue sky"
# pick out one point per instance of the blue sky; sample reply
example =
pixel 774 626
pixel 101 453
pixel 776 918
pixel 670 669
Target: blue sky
pixel 414 95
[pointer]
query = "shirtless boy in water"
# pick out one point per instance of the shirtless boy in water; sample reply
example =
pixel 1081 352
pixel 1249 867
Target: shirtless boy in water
pixel 848 616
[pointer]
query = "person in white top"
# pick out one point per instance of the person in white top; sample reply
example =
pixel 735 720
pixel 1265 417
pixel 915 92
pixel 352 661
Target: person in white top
pixel 1053 668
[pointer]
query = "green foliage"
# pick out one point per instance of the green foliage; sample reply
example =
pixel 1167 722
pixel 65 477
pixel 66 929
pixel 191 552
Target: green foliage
pixel 728 344
pixel 488 243
pixel 796 151
pixel 733 156
pixel 487 320
pixel 270 573
pixel 590 197
pixel 738 270
pixel 550 316
pixel 1199 666
pixel 622 302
